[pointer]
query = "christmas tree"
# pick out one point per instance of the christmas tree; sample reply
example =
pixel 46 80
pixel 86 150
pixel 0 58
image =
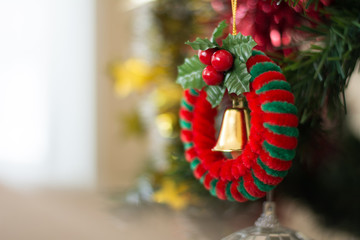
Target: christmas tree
pixel 316 43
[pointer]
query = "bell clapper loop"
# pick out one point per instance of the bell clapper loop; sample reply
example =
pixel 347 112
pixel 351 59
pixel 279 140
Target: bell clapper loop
pixel 238 101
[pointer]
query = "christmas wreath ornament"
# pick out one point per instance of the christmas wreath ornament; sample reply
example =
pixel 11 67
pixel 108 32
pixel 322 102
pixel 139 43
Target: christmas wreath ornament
pixel 262 152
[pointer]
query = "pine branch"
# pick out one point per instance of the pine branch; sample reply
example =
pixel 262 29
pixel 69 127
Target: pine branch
pixel 321 73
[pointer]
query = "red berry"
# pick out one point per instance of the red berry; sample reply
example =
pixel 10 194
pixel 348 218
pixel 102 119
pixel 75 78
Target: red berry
pixel 205 55
pixel 222 60
pixel 211 76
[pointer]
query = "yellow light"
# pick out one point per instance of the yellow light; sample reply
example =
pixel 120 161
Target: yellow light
pixel 172 195
pixel 165 123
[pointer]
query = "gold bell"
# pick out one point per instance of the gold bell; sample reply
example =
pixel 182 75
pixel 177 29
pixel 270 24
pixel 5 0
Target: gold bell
pixel 235 128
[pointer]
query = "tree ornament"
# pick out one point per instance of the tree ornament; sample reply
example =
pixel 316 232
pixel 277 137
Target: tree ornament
pixel 205 55
pixel 236 80
pixel 211 76
pixel 235 129
pixel 267 155
pixel 222 60
pixel 263 158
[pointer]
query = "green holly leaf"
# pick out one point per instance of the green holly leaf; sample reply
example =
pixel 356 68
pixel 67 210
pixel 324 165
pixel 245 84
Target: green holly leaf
pixel 202 44
pixel 238 80
pixel 215 94
pixel 239 45
pixel 190 73
pixel 218 31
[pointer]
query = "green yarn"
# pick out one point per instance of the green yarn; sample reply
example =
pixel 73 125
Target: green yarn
pixel 257 52
pixel 193 92
pixel 274 85
pixel 213 187
pixel 194 163
pixel 202 179
pixel 281 153
pixel 263 67
pixel 270 171
pixel 287 131
pixel 243 191
pixel 188 145
pixel 279 107
pixel 228 192
pixel 187 105
pixel 262 186
pixel 185 124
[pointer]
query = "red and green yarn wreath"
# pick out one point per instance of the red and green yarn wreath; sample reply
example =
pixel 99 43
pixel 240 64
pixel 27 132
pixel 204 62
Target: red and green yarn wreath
pixel 268 154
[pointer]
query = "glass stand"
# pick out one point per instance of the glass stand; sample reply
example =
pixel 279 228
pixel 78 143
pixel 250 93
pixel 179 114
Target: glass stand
pixel 267 227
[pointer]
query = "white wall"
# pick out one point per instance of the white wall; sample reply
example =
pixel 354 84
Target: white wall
pixel 47 92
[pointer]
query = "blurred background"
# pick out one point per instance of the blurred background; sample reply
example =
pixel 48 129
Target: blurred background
pixel 89 132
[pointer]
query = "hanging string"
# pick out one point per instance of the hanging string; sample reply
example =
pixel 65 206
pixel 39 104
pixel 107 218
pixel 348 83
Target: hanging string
pixel 233 8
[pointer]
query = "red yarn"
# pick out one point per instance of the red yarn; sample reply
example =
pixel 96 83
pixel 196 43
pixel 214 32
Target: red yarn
pixel 235 193
pixel 274 163
pixel 225 171
pixel 204 127
pixel 281 119
pixel 209 157
pixel 215 168
pixel 207 181
pixel 250 186
pixel 238 170
pixel 265 78
pixel 220 189
pixel 190 98
pixel 186 136
pixel 264 177
pixel 190 154
pixel 204 141
pixel 199 171
pixel 281 141
pixel 245 160
pixel 255 59
pixel 186 115
pixel 277 95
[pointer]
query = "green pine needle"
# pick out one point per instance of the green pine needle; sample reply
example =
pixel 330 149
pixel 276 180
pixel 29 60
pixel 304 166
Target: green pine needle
pixel 321 73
